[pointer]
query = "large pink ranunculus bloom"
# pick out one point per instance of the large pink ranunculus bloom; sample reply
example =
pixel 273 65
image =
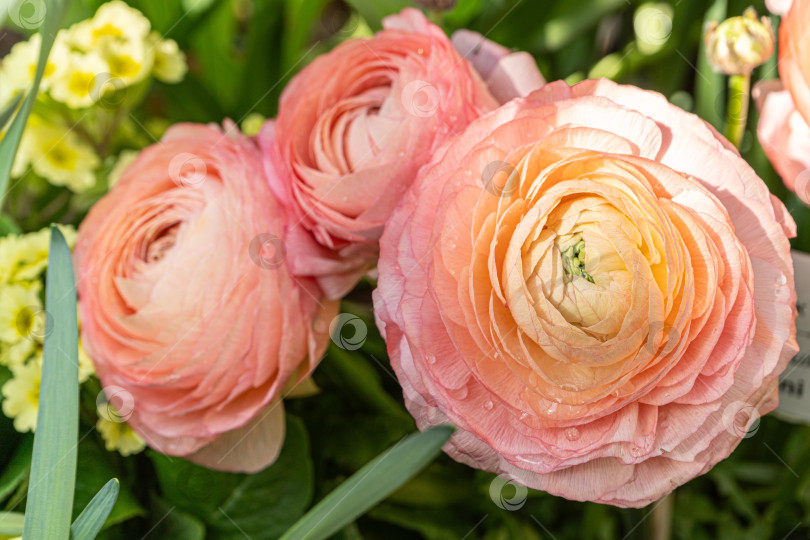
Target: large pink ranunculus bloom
pixel 794 55
pixel 595 288
pixel 192 319
pixel 353 128
pixel 784 135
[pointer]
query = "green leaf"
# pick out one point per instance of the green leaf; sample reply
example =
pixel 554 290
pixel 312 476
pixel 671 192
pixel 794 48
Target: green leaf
pixel 11 140
pixel 9 111
pixel 92 518
pixel 17 468
pixel 170 522
pixel 710 87
pixel 98 466
pixel 371 484
pixel 11 523
pixel 53 465
pixel 261 505
pixel 373 11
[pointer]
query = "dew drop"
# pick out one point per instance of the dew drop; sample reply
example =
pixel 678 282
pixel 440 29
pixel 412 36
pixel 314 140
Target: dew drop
pixel 552 408
pixel 572 434
pixel 488 405
pixel 781 280
pixel 524 415
pixel 431 359
pixel 635 451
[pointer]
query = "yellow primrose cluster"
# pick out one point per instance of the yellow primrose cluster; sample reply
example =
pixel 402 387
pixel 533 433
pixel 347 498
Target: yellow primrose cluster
pixel 23 259
pixel 94 63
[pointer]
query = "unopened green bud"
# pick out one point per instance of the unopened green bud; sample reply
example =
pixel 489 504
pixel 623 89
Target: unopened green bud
pixel 739 44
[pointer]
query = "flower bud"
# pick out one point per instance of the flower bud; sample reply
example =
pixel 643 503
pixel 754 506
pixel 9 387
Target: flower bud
pixel 739 44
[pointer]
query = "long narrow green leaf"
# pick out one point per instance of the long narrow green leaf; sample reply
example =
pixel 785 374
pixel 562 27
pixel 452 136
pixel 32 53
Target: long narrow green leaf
pixel 11 141
pixel 94 515
pixel 9 111
pixel 710 87
pixel 53 465
pixel 371 484
pixel 11 523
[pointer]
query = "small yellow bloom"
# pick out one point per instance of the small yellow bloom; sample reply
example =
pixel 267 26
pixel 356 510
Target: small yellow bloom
pixel 119 436
pixel 125 159
pixel 20 64
pixel 129 62
pixel 58 155
pixel 170 62
pixel 81 83
pixel 15 354
pixel 21 314
pixel 21 395
pixel 24 257
pixel 114 21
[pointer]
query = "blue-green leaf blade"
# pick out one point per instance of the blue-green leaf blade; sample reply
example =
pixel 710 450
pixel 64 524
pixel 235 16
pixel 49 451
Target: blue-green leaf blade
pixel 53 464
pixel 92 518
pixel 371 484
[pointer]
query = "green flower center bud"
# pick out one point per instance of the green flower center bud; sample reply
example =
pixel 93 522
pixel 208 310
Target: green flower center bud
pixel 573 259
pixel 739 44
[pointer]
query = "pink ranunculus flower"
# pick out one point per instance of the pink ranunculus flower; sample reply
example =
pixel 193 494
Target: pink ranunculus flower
pixel 595 288
pixel 353 128
pixel 794 55
pixel 784 135
pixel 191 317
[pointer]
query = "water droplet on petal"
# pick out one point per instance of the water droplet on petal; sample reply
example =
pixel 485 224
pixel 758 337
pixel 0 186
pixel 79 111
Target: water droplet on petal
pixel 781 280
pixel 431 359
pixel 488 405
pixel 572 434
pixel 635 451
pixel 552 408
pixel 524 415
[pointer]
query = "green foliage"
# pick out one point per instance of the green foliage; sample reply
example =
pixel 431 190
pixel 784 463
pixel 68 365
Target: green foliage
pixel 261 505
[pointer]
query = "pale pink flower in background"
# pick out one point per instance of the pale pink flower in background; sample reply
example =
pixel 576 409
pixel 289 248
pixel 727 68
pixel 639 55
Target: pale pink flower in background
pixel 593 286
pixel 353 128
pixel 794 55
pixel 785 136
pixel 194 323
pixel 778 7
pixel 508 74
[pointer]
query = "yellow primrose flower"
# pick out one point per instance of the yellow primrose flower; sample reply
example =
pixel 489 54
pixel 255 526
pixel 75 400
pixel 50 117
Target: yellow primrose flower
pixel 15 354
pixel 20 312
pixel 21 395
pixel 81 82
pixel 59 155
pixel 114 21
pixel 20 65
pixel 129 62
pixel 24 257
pixel 170 62
pixel 119 436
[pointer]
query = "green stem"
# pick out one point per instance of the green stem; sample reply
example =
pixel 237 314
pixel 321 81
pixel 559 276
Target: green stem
pixel 739 94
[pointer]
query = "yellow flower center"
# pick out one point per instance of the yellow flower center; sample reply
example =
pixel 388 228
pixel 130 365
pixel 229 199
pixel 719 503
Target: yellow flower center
pixel 123 66
pixel 108 30
pixel 81 83
pixel 61 156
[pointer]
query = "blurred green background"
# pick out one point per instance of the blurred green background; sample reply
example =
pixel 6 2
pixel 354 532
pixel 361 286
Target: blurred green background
pixel 241 53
